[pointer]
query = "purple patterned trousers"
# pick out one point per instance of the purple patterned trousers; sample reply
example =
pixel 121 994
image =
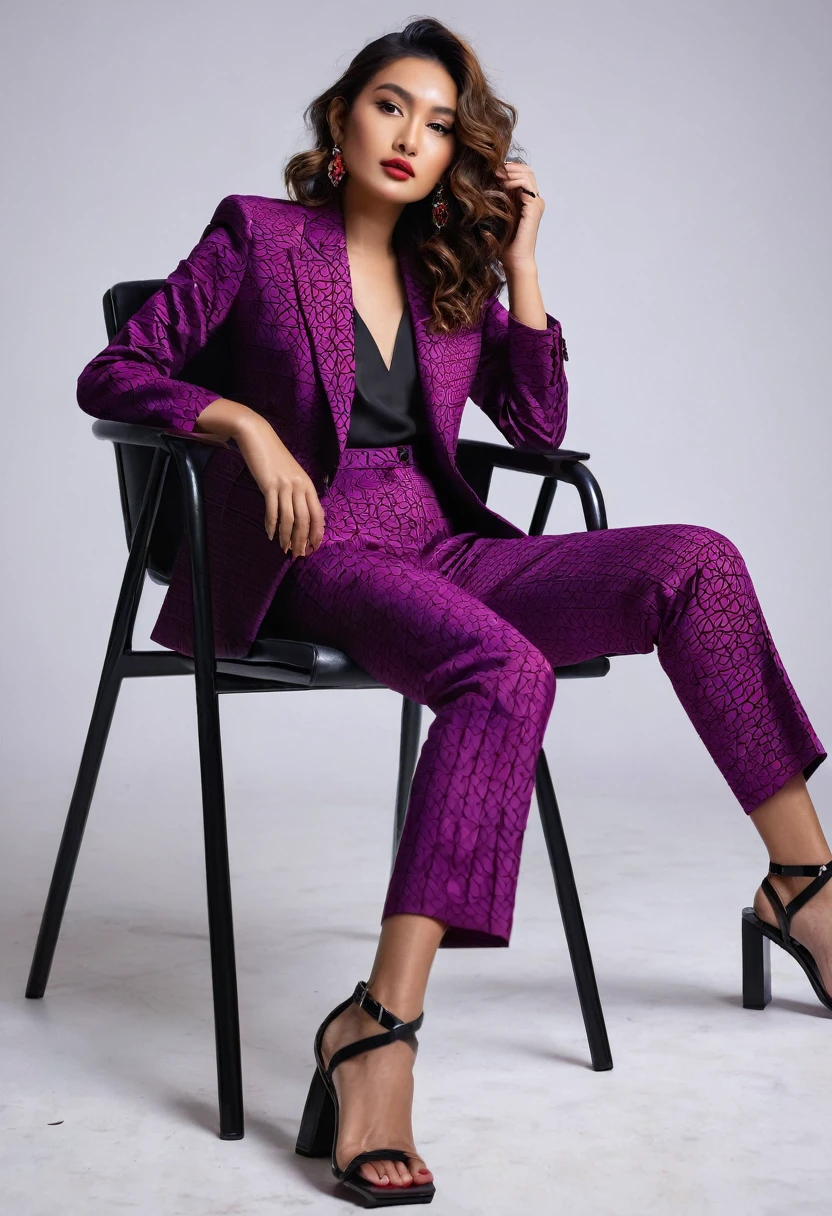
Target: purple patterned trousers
pixel 472 626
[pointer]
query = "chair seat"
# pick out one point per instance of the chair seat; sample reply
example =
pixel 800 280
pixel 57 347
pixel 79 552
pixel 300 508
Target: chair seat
pixel 302 663
pixel 314 665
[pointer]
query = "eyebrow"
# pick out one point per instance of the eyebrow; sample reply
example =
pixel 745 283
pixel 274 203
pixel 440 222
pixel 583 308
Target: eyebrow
pixel 397 88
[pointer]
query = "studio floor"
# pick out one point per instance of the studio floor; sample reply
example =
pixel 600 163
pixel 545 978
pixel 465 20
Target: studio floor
pixel 108 1084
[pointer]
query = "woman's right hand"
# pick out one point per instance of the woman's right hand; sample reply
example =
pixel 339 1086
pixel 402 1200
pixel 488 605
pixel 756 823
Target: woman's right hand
pixel 293 508
pixel 292 505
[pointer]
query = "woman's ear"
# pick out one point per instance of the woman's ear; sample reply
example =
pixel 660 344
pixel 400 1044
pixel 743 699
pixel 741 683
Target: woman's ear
pixel 335 119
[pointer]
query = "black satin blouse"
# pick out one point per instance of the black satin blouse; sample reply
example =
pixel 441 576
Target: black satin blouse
pixel 388 407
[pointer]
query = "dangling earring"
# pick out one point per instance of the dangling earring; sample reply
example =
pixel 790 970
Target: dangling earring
pixel 336 169
pixel 440 208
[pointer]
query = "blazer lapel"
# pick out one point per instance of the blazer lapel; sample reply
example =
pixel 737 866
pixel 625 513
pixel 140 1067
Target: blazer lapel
pixel 324 289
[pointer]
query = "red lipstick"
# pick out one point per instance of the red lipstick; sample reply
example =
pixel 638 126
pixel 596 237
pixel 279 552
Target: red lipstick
pixel 398 168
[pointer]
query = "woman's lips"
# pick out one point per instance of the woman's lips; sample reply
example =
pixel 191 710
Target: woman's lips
pixel 399 174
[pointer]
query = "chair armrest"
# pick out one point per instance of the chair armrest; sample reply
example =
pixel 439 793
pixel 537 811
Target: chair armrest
pixel 137 434
pixel 477 460
pixel 525 460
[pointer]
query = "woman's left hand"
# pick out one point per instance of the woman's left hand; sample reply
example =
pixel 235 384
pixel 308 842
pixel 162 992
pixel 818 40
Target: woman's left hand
pixel 520 177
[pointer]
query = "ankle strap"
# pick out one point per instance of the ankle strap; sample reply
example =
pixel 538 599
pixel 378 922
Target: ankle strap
pixel 396 1028
pixel 785 912
pixel 814 871
pixel 383 1016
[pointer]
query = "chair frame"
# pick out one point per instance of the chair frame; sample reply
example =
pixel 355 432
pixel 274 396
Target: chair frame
pixel 476 461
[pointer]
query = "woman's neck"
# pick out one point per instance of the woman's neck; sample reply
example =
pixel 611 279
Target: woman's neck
pixel 368 221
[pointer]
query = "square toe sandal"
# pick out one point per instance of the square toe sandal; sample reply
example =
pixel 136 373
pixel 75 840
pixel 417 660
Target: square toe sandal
pixel 318 1134
pixel 757 933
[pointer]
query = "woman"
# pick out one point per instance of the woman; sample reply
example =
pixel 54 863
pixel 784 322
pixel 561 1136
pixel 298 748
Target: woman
pixel 363 313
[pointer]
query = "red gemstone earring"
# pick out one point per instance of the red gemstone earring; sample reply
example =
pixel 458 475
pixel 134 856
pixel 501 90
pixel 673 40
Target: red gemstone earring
pixel 439 210
pixel 336 169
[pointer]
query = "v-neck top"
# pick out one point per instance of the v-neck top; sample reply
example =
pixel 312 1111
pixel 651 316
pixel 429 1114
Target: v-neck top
pixel 388 407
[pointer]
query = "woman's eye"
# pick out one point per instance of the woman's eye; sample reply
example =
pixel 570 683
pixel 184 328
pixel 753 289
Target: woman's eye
pixel 445 130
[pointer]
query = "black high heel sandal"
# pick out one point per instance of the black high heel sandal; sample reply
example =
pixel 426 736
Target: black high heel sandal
pixel 757 933
pixel 318 1133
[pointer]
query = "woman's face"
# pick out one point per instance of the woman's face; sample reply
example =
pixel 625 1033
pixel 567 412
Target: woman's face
pixel 405 112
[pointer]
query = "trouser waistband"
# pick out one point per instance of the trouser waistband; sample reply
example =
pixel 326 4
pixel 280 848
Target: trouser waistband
pixel 383 457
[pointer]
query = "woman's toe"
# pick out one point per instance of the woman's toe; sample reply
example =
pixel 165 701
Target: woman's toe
pixel 403 1173
pixel 393 1169
pixel 374 1172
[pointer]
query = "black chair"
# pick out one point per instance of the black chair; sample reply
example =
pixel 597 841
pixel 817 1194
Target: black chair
pixel 156 507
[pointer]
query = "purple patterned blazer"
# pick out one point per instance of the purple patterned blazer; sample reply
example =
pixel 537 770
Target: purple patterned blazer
pixel 276 273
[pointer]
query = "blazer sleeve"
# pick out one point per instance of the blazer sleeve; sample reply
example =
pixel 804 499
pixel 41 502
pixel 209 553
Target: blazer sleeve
pixel 134 378
pixel 520 382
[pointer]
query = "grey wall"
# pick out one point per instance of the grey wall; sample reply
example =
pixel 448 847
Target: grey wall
pixel 683 155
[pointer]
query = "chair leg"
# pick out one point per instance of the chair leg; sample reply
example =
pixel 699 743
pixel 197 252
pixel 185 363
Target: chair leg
pixel 217 870
pixel 408 756
pixel 220 922
pixel 76 820
pixel 573 921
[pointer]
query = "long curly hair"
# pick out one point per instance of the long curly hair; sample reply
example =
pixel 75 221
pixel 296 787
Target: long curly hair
pixel 460 263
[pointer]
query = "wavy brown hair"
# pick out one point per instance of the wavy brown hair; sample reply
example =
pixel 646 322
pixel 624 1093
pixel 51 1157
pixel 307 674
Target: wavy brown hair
pixel 461 262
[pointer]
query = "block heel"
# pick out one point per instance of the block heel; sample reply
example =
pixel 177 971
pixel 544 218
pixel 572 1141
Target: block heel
pixel 756 963
pixel 317 1124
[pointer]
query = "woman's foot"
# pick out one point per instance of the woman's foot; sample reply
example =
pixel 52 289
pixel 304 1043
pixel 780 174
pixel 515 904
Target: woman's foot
pixel 375 1099
pixel 811 925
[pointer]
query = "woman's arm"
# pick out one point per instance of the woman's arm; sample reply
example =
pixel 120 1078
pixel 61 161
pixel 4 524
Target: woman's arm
pixel 133 378
pixel 224 418
pixel 520 382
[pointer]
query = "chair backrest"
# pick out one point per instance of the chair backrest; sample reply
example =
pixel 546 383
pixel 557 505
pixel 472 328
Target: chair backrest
pixel 209 368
